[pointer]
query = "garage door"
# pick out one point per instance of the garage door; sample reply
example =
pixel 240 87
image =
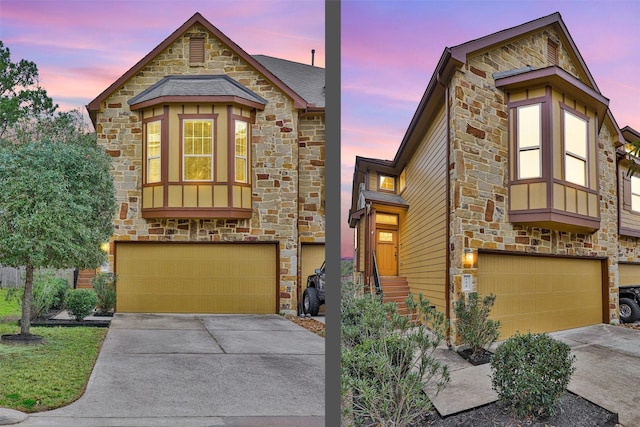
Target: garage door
pixel 196 278
pixel 312 258
pixel 628 274
pixel 541 294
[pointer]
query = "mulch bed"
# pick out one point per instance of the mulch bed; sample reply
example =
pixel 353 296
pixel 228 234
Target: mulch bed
pixel 48 321
pixel 308 323
pixel 467 354
pixel 574 412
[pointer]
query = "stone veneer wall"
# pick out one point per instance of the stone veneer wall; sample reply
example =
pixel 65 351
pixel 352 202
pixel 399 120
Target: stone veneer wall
pixel 311 193
pixel 274 151
pixel 479 170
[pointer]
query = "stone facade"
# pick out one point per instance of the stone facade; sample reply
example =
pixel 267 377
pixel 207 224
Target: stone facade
pixel 480 165
pixel 287 152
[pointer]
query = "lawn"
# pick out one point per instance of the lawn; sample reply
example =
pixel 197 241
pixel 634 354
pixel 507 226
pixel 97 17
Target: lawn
pixel 47 376
pixel 8 308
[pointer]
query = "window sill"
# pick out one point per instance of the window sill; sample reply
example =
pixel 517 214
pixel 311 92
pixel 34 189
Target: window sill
pixel 555 220
pixel 196 213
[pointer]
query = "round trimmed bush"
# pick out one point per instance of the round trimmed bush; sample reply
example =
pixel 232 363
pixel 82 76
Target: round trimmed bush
pixel 81 302
pixel 530 372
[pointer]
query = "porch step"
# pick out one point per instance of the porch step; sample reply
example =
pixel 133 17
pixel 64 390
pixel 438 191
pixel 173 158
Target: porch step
pixel 395 289
pixel 84 278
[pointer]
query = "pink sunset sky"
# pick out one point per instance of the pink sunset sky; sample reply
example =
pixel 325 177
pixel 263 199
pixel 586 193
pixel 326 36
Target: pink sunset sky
pixel 82 46
pixel 389 51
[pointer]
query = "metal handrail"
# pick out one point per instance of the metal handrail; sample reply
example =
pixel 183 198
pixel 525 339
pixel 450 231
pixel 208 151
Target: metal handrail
pixel 376 276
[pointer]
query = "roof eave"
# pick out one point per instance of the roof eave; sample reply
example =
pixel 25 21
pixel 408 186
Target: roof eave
pixel 197 98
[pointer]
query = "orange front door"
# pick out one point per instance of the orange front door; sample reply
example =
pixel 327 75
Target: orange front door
pixel 387 252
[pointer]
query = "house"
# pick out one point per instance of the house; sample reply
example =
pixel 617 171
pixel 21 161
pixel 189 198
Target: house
pixel 511 179
pixel 218 164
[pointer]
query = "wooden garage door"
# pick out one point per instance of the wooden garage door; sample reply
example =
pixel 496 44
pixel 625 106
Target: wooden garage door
pixel 196 278
pixel 312 258
pixel 628 274
pixel 541 294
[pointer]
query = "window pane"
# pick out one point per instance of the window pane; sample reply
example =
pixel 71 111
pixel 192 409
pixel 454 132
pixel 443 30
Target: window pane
pixel 241 147
pixel 197 146
pixel 197 169
pixel 529 126
pixel 529 164
pixel 576 170
pixel 153 148
pixel 387 183
pixel 635 203
pixel 385 236
pixel 241 168
pixel 153 170
pixel 635 185
pixel 575 135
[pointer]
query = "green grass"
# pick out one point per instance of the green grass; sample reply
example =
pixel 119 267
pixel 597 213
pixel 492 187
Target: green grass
pixel 51 375
pixel 9 309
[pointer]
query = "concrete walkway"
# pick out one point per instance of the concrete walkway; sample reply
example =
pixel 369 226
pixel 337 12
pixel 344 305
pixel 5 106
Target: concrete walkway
pixel 201 370
pixel 607 373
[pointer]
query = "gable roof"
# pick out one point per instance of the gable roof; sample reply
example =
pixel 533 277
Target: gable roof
pixel 455 57
pixel 308 81
pixel 94 106
pixel 206 87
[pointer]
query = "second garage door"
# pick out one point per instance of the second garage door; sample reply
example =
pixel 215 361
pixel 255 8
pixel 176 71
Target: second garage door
pixel 541 294
pixel 196 278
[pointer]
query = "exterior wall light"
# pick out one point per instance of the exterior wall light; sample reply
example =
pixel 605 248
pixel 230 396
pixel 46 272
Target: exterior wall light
pixel 470 258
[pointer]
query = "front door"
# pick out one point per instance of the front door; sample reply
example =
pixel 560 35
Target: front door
pixel 387 252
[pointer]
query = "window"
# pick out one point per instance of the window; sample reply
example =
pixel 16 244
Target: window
pixel 196 50
pixel 197 149
pixel 403 180
pixel 529 141
pixel 241 141
pixel 387 183
pixel 575 148
pixel 389 219
pixel 635 193
pixel 153 151
pixel 385 236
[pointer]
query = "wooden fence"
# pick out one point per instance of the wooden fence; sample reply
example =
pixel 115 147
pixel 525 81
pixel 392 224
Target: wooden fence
pixel 14 277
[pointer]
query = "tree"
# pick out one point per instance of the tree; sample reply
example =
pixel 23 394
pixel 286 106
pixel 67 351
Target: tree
pixel 633 155
pixel 56 201
pixel 21 96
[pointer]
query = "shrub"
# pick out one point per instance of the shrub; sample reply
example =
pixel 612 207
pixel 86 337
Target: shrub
pixel 60 287
pixel 530 372
pixel 81 302
pixel 387 360
pixel 104 285
pixel 45 294
pixel 473 325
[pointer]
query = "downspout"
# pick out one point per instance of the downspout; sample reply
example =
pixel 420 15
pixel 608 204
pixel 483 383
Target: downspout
pixel 298 244
pixel 447 283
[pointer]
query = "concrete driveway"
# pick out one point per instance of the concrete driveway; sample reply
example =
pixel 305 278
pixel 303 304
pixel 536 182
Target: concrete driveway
pixel 201 370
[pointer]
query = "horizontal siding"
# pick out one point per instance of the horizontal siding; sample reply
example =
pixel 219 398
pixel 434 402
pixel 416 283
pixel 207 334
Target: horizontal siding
pixel 628 219
pixel 423 229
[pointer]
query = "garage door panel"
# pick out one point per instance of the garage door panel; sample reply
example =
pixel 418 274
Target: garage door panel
pixel 196 278
pixel 629 274
pixel 540 294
